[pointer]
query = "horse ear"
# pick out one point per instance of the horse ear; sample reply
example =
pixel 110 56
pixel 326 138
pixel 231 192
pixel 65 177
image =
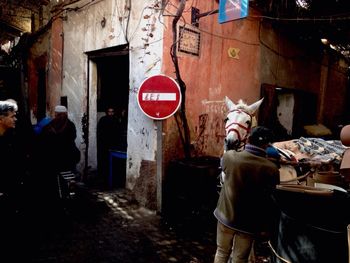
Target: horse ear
pixel 254 107
pixel 229 103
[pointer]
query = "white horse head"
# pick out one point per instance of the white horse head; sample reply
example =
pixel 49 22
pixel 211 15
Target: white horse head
pixel 239 122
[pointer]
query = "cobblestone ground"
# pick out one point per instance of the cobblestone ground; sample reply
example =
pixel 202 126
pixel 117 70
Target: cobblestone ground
pixel 109 226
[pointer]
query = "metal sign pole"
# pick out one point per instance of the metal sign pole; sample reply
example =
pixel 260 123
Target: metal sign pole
pixel 159 97
pixel 159 160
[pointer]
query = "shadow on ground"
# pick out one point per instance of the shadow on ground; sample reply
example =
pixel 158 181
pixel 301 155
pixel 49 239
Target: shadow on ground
pixel 103 226
pixel 109 226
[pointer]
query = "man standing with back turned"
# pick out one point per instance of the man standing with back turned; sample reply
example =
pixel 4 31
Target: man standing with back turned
pixel 244 204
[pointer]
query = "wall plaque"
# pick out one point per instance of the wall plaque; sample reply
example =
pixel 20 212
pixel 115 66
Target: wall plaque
pixel 189 39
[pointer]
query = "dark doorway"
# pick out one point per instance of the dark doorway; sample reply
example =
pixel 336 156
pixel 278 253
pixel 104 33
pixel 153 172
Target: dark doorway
pixel 113 82
pixel 297 106
pixel 112 93
pixel 41 110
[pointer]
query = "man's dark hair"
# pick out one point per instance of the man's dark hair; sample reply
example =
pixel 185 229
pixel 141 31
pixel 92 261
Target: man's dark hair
pixel 260 136
pixel 109 108
pixel 6 107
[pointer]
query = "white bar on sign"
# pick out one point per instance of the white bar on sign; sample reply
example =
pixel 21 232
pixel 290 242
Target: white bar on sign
pixel 158 96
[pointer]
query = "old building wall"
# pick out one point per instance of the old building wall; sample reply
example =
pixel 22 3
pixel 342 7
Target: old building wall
pixel 213 75
pixel 291 64
pixel 45 54
pixel 37 59
pixel 287 63
pixel 145 36
pixel 234 59
pixel 264 56
pixel 92 26
pixel 336 103
pixel 55 75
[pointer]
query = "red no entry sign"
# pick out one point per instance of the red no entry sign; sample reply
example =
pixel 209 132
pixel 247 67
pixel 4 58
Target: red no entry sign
pixel 159 97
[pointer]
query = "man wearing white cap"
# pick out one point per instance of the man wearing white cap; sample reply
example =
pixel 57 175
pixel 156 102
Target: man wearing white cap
pixel 58 139
pixel 60 108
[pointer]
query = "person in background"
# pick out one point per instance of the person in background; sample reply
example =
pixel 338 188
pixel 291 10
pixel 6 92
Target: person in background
pixel 14 173
pixel 57 153
pixel 107 139
pixel 10 156
pixel 273 155
pixel 40 125
pixel 122 130
pixel 58 142
pixel 244 208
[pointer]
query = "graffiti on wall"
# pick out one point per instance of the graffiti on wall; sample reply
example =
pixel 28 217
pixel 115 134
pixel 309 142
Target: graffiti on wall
pixel 210 131
pixel 200 140
pixel 214 106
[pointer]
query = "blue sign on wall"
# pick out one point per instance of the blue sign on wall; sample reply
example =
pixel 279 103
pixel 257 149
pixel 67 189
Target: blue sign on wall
pixel 232 9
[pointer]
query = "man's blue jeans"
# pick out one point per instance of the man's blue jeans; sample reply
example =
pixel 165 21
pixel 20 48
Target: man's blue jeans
pixel 227 239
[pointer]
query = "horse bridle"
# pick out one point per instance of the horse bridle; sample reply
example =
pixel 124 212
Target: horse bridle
pixel 229 129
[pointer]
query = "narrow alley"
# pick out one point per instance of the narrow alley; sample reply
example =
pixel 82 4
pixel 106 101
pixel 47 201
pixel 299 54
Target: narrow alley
pixel 109 226
pixel 147 97
pixel 103 226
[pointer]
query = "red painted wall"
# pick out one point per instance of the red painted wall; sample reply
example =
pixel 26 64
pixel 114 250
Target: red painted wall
pixel 35 63
pixel 46 54
pixel 212 76
pixel 265 56
pixel 55 73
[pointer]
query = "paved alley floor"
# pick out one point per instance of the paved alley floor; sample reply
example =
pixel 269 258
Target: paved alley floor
pixel 109 226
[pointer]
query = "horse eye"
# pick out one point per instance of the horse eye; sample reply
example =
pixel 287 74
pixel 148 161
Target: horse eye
pixel 248 123
pixel 225 120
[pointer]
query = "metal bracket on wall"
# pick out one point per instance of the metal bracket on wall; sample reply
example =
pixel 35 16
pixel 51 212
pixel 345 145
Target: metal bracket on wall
pixel 195 15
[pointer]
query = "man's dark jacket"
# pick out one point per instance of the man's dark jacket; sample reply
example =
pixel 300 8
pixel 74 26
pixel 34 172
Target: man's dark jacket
pixel 244 203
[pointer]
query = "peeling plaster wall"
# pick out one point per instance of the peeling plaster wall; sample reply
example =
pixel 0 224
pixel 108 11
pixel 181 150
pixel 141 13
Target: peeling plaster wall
pixel 83 32
pixel 55 66
pixel 37 59
pixel 74 70
pixel 264 56
pixel 209 77
pixel 146 50
pixel 212 76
